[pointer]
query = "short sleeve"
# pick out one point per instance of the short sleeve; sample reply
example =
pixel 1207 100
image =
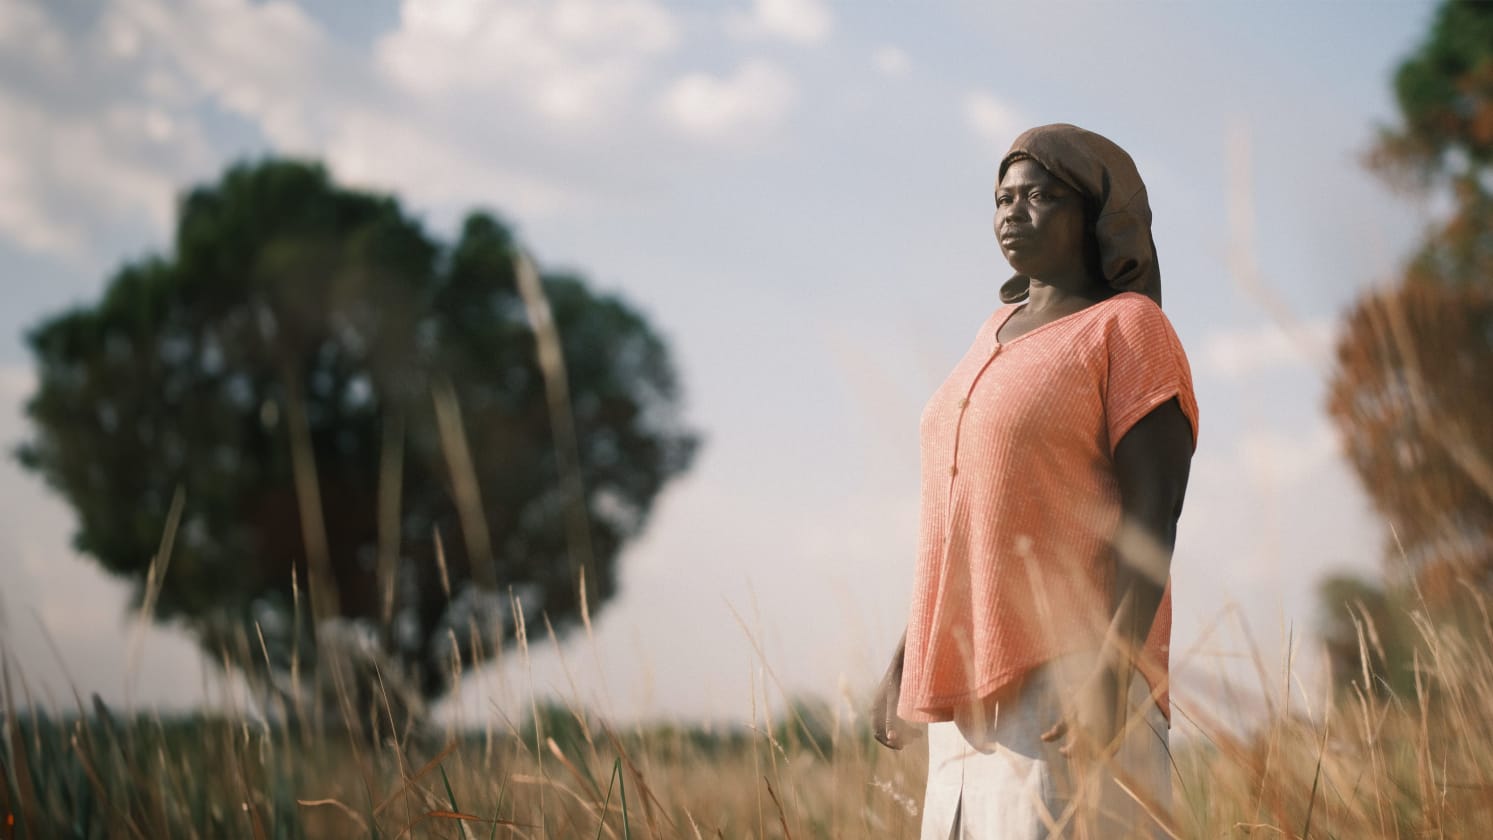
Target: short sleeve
pixel 1147 367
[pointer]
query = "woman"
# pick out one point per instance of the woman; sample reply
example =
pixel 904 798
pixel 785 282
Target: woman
pixel 1054 463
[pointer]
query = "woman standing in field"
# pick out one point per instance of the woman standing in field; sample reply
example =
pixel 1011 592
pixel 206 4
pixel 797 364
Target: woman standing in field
pixel 1054 462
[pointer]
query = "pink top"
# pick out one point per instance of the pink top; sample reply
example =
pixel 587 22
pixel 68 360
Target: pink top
pixel 1020 501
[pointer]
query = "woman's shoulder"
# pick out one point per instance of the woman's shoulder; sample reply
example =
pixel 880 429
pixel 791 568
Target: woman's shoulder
pixel 1131 310
pixel 1131 304
pixel 1132 319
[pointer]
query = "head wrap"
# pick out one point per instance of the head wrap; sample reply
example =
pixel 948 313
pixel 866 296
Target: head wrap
pixel 1106 176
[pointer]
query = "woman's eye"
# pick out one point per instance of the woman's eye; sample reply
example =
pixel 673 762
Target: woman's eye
pixel 1002 200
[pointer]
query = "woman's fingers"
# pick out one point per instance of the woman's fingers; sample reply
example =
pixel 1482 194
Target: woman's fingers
pixel 1057 731
pixel 884 732
pixel 884 729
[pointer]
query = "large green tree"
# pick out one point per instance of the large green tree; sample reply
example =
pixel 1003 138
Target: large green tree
pixel 1412 388
pixel 326 389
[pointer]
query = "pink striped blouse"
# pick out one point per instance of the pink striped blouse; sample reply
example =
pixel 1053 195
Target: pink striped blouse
pixel 1020 501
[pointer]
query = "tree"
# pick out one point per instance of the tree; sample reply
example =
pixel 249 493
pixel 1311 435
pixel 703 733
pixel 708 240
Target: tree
pixel 350 409
pixel 1412 388
pixel 1444 142
pixel 1362 616
pixel 1413 393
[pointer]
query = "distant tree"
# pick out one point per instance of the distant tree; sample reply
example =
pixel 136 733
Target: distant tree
pixel 1412 389
pixel 1363 616
pixel 1413 393
pixel 307 352
pixel 1443 143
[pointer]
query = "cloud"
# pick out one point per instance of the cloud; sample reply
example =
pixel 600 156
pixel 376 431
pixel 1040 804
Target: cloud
pixel 60 172
pixel 1237 353
pixel 737 109
pixel 404 118
pixel 1274 459
pixel 26 31
pixel 891 61
pixel 464 102
pixel 79 145
pixel 221 48
pixel 800 21
pixel 377 149
pixel 566 59
pixel 24 214
pixel 17 381
pixel 992 120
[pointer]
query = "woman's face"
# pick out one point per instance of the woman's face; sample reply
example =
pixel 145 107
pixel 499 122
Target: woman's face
pixel 1039 221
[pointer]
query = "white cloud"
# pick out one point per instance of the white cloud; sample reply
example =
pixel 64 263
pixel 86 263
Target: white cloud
pixel 891 61
pixel 1236 353
pixel 106 138
pixel 992 120
pixel 382 120
pixel 16 384
pixel 567 59
pixel 222 47
pixel 466 102
pixel 60 172
pixel 25 32
pixel 63 165
pixel 378 149
pixel 24 214
pixel 1273 459
pixel 737 109
pixel 801 21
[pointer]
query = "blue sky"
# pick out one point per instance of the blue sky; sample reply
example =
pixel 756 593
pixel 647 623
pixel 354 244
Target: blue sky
pixel 798 192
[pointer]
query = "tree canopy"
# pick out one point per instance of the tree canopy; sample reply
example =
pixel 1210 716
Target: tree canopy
pixel 1412 387
pixel 293 310
pixel 1413 393
pixel 1443 142
pixel 1444 91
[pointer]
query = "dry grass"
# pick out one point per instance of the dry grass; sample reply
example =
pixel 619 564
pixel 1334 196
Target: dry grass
pixel 560 773
pixel 1374 765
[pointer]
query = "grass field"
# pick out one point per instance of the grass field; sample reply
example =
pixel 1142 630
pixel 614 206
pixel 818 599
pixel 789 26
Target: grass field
pixel 1372 765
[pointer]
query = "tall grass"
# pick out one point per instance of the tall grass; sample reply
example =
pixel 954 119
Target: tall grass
pixel 560 772
pixel 1372 763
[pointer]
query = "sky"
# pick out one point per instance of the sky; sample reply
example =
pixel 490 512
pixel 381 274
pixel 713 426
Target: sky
pixel 798 194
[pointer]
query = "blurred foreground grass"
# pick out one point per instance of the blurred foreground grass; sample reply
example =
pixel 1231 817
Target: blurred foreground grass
pixel 568 776
pixel 1375 764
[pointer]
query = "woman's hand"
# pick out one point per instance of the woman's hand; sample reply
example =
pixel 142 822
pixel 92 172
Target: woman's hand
pixel 1090 723
pixel 890 730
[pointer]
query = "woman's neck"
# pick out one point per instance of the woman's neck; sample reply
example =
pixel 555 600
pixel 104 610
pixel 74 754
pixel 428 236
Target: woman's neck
pixel 1066 294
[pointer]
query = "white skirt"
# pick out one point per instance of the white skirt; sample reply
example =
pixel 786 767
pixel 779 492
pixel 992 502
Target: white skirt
pixel 992 777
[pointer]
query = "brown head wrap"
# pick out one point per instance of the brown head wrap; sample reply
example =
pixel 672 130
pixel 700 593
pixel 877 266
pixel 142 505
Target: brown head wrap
pixel 1106 176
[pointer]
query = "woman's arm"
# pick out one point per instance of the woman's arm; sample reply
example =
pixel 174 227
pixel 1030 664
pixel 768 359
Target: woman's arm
pixel 1152 462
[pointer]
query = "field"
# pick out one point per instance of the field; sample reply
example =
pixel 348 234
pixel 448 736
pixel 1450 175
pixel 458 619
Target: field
pixel 1372 765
